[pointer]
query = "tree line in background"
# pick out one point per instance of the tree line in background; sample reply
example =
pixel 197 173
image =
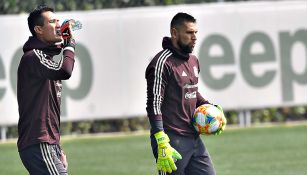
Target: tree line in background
pixel 23 6
pixel 137 122
pixel 140 123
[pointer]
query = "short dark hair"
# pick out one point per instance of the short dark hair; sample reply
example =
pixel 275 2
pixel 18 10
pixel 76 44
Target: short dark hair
pixel 35 17
pixel 180 18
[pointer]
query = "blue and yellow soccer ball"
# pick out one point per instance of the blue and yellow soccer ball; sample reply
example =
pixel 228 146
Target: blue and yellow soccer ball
pixel 208 119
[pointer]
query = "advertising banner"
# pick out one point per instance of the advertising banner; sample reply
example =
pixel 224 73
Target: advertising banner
pixel 252 55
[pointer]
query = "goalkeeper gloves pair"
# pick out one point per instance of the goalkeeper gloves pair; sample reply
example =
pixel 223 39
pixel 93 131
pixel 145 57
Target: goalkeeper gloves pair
pixel 167 155
pixel 68 40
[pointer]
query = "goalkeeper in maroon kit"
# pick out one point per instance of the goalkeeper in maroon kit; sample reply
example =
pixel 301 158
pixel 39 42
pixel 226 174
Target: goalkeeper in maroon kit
pixel 39 93
pixel 172 97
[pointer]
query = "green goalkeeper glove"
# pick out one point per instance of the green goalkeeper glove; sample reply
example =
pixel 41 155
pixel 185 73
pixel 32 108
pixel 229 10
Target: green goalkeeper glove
pixel 219 107
pixel 166 154
pixel 224 121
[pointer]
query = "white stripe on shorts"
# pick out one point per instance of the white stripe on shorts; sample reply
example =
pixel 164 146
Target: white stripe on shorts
pixel 48 159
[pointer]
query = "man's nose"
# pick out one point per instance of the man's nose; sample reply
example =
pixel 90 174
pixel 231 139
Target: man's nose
pixel 194 37
pixel 57 24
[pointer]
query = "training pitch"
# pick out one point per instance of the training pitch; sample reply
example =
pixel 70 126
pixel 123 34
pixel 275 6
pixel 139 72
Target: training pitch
pixel 277 150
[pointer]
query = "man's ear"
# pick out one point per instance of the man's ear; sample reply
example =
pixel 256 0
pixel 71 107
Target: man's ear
pixel 38 29
pixel 174 32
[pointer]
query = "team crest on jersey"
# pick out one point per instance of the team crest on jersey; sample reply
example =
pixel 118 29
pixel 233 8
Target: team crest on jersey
pixel 59 94
pixel 58 84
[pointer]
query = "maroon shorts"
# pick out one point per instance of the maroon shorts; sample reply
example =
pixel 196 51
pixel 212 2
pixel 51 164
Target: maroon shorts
pixel 195 157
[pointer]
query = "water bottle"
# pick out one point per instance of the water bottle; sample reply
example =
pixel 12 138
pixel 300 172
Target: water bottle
pixel 74 24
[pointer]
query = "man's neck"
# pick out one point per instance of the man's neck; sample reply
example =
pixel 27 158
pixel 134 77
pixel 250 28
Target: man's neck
pixel 175 44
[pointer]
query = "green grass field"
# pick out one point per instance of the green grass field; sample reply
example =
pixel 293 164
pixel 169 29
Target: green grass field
pixel 279 150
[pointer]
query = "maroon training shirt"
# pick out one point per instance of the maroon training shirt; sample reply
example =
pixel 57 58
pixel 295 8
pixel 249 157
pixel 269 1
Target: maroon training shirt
pixel 39 92
pixel 172 90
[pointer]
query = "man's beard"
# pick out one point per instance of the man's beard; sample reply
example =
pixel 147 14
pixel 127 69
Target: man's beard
pixel 185 47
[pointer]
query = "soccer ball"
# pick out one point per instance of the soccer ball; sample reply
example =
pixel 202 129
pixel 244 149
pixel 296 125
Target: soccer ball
pixel 207 119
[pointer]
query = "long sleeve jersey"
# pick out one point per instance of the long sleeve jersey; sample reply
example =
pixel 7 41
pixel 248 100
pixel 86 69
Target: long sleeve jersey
pixel 172 90
pixel 39 92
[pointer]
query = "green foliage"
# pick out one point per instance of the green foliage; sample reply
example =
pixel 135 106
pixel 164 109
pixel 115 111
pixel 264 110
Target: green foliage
pixel 24 6
pixel 141 123
pixel 106 125
pixel 12 132
pixel 232 117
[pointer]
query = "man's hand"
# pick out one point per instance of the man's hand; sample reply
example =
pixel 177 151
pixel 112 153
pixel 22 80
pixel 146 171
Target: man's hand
pixel 63 159
pixel 166 154
pixel 68 40
pixel 66 29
